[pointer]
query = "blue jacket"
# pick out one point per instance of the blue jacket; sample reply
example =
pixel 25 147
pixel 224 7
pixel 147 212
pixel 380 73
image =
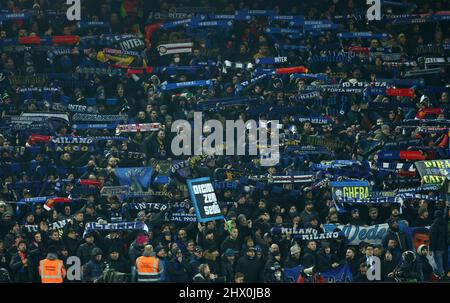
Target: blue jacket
pixel 93 270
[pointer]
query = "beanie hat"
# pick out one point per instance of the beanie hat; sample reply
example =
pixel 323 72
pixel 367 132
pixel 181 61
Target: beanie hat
pixel 295 249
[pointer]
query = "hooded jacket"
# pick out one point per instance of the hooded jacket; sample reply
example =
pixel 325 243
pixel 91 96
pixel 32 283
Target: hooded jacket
pixel 268 269
pixel 93 270
pixel 135 252
pixel 84 252
pixel 179 271
pixel 427 269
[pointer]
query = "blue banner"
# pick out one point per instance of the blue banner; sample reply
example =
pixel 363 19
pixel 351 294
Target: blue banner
pixel 293 273
pixel 140 176
pixel 355 234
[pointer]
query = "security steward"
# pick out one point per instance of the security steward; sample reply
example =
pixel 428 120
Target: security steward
pixel 51 269
pixel 147 266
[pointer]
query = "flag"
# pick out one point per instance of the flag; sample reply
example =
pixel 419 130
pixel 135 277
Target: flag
pixel 293 273
pixel 433 172
pixel 340 274
pixel 137 176
pixel 355 234
pixel 175 48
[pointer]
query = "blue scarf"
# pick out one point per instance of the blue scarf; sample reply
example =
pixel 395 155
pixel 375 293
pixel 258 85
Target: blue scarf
pixel 122 226
pixel 151 207
pixel 216 23
pixel 181 217
pixel 179 85
pixel 94 126
pixel 362 35
pixel 271 60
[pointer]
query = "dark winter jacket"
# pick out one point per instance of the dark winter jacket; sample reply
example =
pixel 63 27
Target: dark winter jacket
pixel 179 272
pixel 438 235
pixel 93 270
pixel 268 269
pixel 386 268
pixel 227 270
pixel 410 271
pixel 309 258
pixel 84 252
pixel 19 272
pixel 403 241
pixel 324 261
pixel 230 243
pixel 427 269
pixel 119 265
pixel 135 252
pixel 251 268
pixel 291 262
pixel 71 245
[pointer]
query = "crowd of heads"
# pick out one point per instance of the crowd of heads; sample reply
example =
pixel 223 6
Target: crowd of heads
pixel 244 246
